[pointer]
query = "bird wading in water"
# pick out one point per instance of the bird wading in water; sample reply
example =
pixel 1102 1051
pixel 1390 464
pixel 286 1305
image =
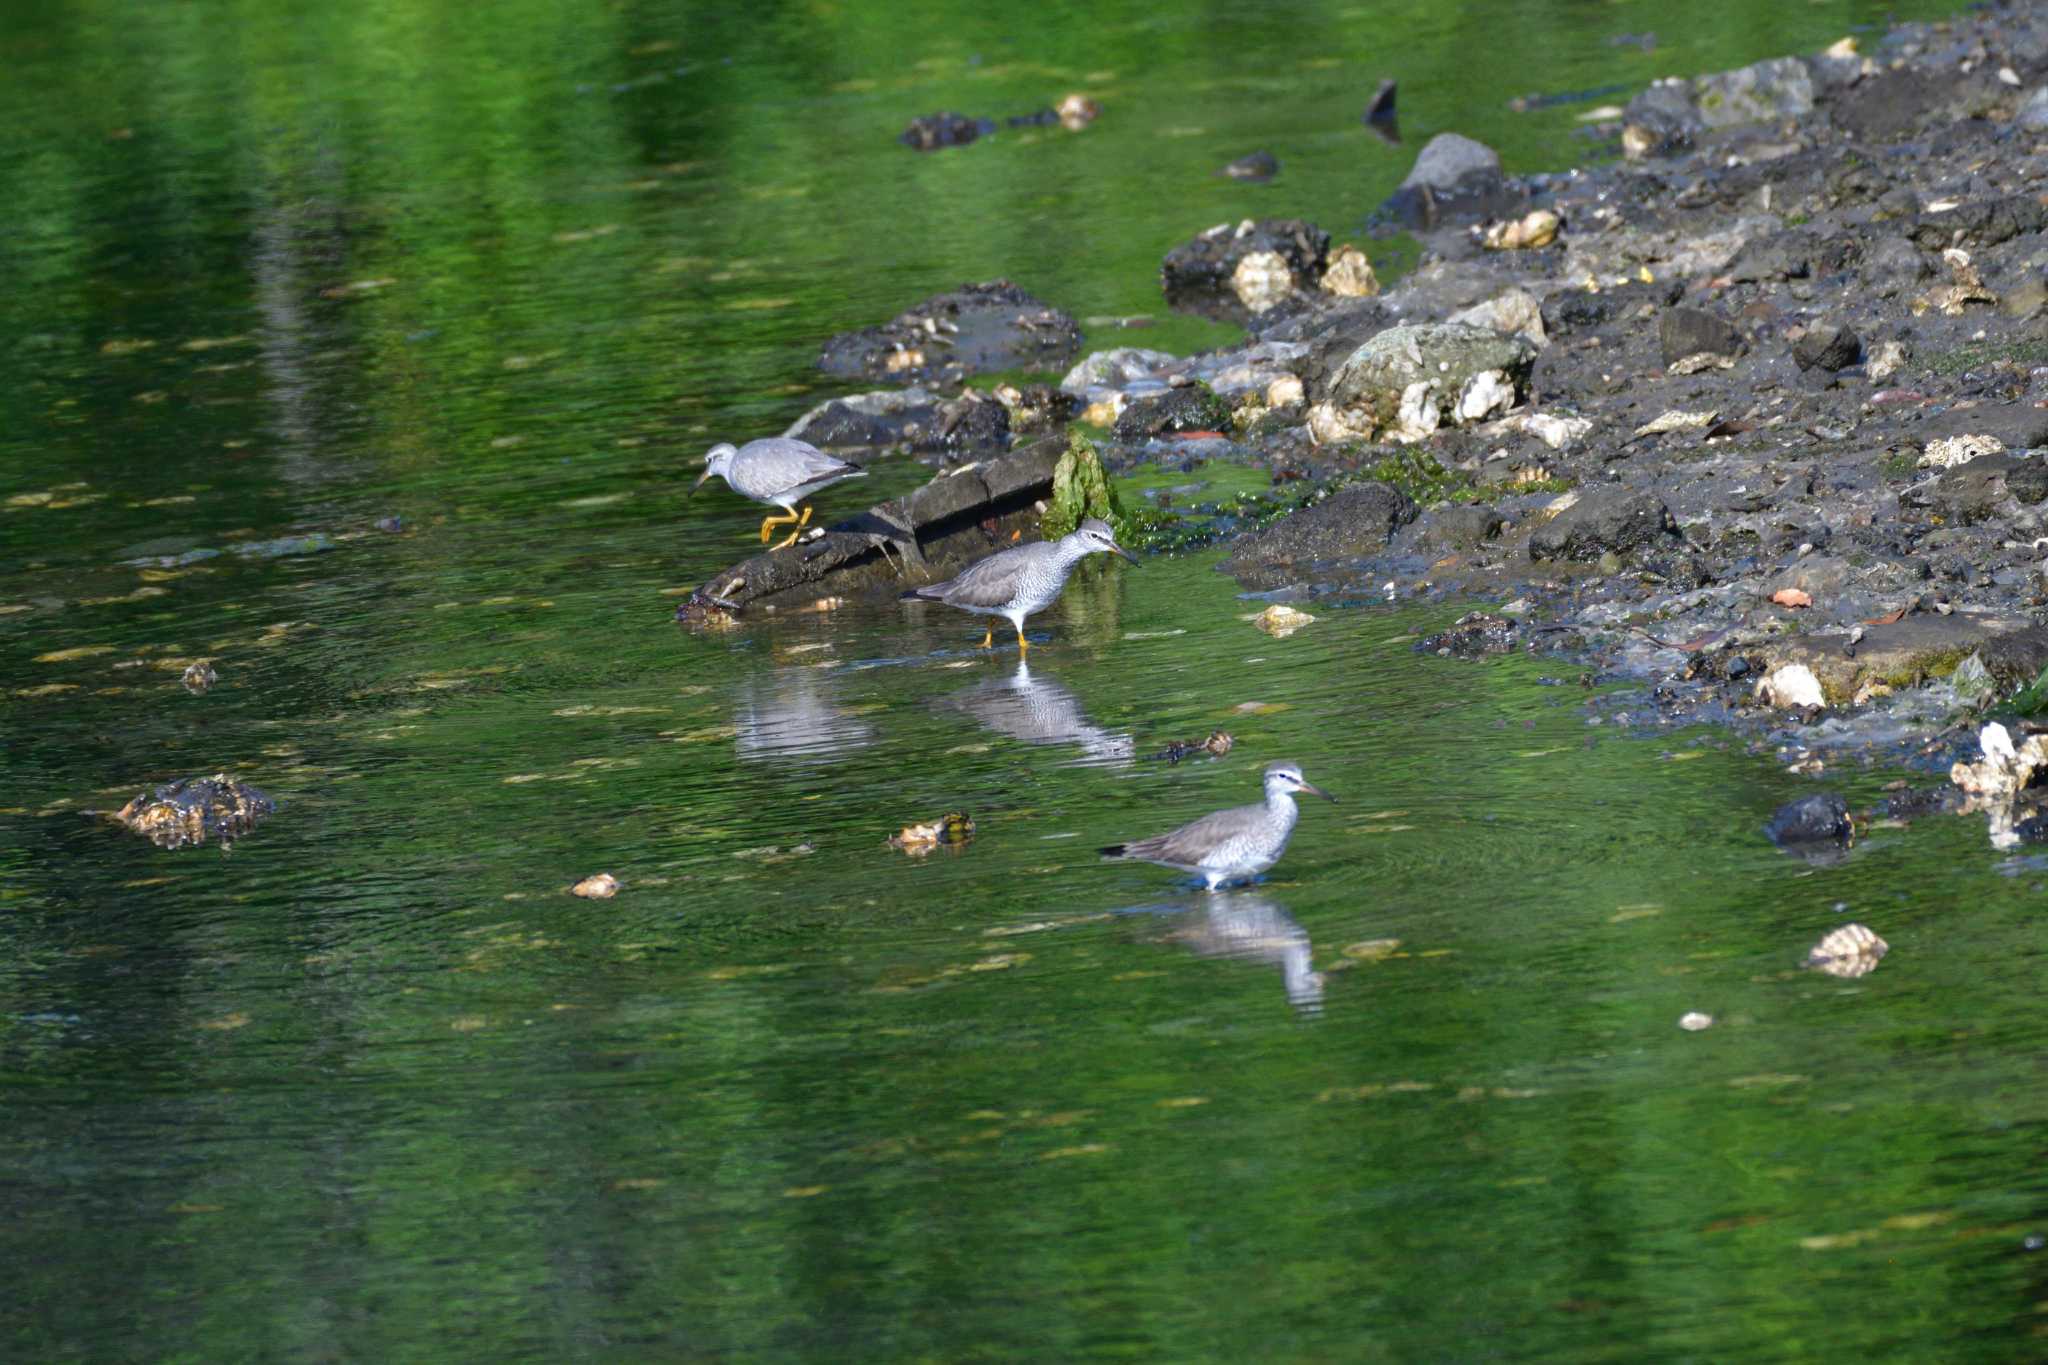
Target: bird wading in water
pixel 1015 583
pixel 1233 844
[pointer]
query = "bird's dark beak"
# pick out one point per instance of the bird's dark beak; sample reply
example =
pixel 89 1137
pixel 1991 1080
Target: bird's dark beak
pixel 1314 790
pixel 697 485
pixel 1127 555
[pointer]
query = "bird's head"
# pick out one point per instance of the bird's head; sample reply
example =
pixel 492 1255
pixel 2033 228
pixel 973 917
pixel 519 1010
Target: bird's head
pixel 1096 535
pixel 1285 779
pixel 717 460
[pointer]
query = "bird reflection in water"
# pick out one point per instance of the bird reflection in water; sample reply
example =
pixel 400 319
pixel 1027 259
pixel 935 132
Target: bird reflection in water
pixel 1037 710
pixel 792 715
pixel 1245 925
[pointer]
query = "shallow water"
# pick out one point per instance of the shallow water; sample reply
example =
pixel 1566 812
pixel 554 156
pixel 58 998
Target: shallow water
pixel 373 1086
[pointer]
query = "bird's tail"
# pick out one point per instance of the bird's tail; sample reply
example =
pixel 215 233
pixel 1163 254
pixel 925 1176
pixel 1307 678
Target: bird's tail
pixel 1113 850
pixel 930 592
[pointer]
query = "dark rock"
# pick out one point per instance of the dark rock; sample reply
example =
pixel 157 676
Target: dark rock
pixel 1472 635
pixel 1193 408
pixel 1380 109
pixel 2016 658
pixel 1974 492
pixel 1661 121
pixel 1349 524
pixel 1918 801
pixel 1572 311
pixel 1892 265
pixel 1197 275
pixel 1259 167
pixel 1822 818
pixel 1826 346
pixel 1604 520
pixel 2033 114
pixel 1980 223
pixel 1890 105
pixel 1441 530
pixel 194 810
pixel 1683 332
pixel 1037 407
pixel 1793 255
pixel 891 417
pixel 1454 180
pixel 943 129
pixel 969 330
pixel 973 425
pixel 1450 161
pixel 2020 426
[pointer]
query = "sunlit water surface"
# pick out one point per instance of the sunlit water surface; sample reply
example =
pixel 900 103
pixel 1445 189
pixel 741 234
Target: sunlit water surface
pixel 374 1086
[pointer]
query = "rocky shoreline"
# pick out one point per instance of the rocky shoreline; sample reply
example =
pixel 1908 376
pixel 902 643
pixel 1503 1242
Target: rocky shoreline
pixel 1755 411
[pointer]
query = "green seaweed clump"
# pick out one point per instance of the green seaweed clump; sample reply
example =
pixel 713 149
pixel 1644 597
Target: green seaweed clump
pixel 1080 489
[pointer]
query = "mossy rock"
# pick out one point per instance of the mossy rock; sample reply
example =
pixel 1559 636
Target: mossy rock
pixel 1081 489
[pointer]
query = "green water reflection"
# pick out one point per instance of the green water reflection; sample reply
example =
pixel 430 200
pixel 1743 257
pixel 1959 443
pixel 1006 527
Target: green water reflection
pixel 373 1086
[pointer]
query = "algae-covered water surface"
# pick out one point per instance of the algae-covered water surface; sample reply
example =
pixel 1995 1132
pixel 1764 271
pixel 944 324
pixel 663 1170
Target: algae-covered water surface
pixel 366 353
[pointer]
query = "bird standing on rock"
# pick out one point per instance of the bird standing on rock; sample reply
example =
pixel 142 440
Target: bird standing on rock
pixel 1231 844
pixel 1017 582
pixel 779 471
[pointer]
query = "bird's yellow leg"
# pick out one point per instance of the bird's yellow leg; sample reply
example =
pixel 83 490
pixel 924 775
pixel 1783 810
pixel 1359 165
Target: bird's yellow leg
pixel 785 519
pixel 1023 645
pixel 786 541
pixel 988 639
pixel 805 520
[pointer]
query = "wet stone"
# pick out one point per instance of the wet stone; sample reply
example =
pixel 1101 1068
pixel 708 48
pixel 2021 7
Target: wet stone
pixel 1448 530
pixel 1257 168
pixel 1826 346
pixel 1822 818
pixel 1473 635
pixel 1192 408
pixel 1604 521
pixel 1683 332
pixel 1351 523
pixel 1454 180
pixel 931 132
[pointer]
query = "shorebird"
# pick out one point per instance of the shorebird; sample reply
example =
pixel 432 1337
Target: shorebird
pixel 778 471
pixel 1015 583
pixel 1231 844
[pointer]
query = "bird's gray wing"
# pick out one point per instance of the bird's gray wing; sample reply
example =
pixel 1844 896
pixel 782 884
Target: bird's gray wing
pixel 988 584
pixel 1185 846
pixel 799 461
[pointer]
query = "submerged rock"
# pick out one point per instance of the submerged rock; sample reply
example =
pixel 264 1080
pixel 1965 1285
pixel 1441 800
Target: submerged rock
pixel 1822 818
pixel 930 132
pixel 969 330
pixel 1257 168
pixel 1472 635
pixel 194 810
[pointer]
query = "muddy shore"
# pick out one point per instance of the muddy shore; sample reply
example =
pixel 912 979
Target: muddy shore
pixel 1752 409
